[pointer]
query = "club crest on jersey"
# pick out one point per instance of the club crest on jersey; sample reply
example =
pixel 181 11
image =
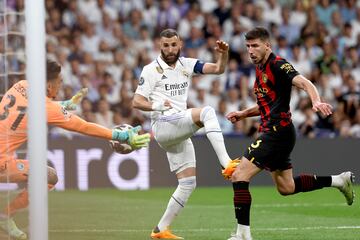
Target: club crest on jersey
pixel 186 74
pixel 159 70
pixel 264 78
pixel 141 81
pixel 20 166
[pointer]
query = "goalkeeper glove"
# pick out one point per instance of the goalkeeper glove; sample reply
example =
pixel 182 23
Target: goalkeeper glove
pixel 71 104
pixel 132 137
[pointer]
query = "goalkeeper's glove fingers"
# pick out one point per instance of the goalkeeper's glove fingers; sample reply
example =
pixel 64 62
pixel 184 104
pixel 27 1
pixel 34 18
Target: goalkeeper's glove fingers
pixel 142 145
pixel 124 135
pixel 160 106
pixel 76 99
pixel 138 141
pixel 71 104
pixel 135 140
pixel 136 129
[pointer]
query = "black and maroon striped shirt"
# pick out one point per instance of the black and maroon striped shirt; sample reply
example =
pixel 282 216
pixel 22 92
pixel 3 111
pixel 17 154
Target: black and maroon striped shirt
pixel 272 89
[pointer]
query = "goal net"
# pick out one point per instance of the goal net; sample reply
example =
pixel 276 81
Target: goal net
pixel 16 45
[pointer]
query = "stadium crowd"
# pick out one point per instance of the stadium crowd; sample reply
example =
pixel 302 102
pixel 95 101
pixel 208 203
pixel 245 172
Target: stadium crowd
pixel 103 45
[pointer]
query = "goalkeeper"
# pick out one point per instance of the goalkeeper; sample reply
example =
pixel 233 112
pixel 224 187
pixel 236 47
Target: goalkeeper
pixel 13 128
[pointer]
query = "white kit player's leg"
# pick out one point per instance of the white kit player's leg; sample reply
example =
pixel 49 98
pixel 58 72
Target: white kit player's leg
pixel 214 134
pixel 177 201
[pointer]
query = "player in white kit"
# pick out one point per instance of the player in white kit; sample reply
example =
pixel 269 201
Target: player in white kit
pixel 163 89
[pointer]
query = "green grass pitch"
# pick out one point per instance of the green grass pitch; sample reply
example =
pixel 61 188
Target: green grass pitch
pixel 108 214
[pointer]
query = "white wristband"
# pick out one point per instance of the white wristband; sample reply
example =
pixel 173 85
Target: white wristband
pixel 159 106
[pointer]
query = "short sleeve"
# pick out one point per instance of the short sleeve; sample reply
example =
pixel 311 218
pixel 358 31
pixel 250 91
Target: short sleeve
pixel 284 70
pixel 144 85
pixel 190 64
pixel 56 114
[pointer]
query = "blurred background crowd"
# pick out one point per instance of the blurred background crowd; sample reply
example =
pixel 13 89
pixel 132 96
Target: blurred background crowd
pixel 104 44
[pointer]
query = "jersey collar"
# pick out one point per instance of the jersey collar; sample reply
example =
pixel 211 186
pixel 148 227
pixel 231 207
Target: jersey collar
pixel 163 64
pixel 271 56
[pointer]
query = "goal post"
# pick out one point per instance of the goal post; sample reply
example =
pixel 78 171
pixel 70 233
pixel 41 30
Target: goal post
pixel 37 128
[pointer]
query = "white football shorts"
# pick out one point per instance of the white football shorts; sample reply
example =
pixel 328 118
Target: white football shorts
pixel 173 135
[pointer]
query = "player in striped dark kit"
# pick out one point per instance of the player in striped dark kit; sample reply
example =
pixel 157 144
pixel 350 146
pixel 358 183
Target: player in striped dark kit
pixel 271 150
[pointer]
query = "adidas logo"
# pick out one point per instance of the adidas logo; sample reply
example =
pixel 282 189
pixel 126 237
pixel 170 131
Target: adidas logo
pixel 163 77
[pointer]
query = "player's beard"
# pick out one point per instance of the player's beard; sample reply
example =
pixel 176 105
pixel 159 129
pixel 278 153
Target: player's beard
pixel 257 59
pixel 170 59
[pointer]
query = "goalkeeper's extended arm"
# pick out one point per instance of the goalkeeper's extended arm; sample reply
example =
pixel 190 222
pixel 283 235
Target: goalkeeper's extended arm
pixel 131 136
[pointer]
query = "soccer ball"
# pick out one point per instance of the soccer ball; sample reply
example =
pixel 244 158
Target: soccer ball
pixel 121 147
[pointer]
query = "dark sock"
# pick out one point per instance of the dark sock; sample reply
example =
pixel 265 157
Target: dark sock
pixel 307 183
pixel 242 202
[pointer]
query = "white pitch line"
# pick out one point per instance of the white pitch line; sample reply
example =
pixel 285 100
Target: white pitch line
pixel 284 229
pixel 274 205
pixel 259 205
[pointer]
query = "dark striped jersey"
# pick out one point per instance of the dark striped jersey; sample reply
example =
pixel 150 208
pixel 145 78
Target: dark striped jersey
pixel 272 89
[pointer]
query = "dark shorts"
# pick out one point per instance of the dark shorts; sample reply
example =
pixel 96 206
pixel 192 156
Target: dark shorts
pixel 271 150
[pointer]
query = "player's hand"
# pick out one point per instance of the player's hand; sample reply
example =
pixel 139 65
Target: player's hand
pixel 71 104
pixel 236 116
pixel 161 106
pixel 324 108
pixel 221 46
pixel 132 137
pixel 137 141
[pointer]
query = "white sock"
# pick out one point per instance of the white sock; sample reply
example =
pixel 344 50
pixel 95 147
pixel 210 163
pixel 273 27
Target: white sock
pixel 214 134
pixel 336 181
pixel 243 231
pixel 177 201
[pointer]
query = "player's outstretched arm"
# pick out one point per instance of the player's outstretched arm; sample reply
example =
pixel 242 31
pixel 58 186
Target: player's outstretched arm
pixel 219 67
pixel 305 84
pixel 240 115
pixel 140 102
pixel 72 103
pixel 135 140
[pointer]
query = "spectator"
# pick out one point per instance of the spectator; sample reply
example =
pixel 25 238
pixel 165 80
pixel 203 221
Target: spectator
pixel 168 16
pixel 324 10
pixel 103 115
pixel 348 10
pixel 233 101
pixel 351 98
pixel 225 125
pixel 222 12
pixel 90 41
pixel 132 27
pixel 287 29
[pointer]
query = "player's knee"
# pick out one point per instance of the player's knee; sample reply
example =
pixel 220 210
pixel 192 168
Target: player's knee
pixel 52 176
pixel 207 112
pixel 285 190
pixel 240 174
pixel 238 177
pixel 187 184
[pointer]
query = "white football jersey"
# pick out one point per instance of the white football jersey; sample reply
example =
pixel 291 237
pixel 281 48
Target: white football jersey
pixel 159 82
